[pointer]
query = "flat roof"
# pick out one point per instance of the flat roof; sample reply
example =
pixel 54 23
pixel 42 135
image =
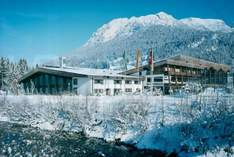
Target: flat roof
pixel 77 72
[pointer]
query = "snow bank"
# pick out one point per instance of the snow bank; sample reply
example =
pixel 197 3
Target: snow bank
pixel 188 125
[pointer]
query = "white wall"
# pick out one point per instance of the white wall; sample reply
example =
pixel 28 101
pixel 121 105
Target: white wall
pixel 87 86
pixel 83 87
pixel 108 83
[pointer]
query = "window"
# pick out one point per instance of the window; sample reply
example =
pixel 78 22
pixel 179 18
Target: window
pixel 158 79
pixel 138 90
pixel 75 81
pixel 136 82
pixel 179 79
pixel 41 80
pixel 117 81
pixel 53 80
pixel 98 81
pixel 60 90
pixel 75 90
pixel 148 79
pixel 47 90
pixel 41 92
pixel 54 91
pixel 60 81
pixel 46 79
pixel 183 69
pixel 177 70
pixel 98 91
pixel 128 90
pixel 173 79
pixel 128 82
pixel 117 91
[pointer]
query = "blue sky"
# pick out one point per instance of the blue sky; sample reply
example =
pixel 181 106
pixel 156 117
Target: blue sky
pixel 41 29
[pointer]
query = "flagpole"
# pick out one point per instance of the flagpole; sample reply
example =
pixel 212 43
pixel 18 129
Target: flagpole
pixel 125 69
pixel 139 60
pixel 151 87
pixel 139 75
pixel 138 63
pixel 151 69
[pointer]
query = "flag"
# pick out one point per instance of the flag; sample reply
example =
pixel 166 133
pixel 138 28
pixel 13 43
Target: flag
pixel 138 58
pixel 151 60
pixel 125 61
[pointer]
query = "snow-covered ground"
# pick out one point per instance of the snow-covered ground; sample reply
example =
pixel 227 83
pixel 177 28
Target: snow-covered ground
pixel 189 125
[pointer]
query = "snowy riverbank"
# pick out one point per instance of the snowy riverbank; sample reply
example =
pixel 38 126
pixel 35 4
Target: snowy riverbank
pixel 188 125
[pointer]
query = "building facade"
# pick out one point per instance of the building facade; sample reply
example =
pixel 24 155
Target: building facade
pixel 168 74
pixel 81 81
pixel 175 72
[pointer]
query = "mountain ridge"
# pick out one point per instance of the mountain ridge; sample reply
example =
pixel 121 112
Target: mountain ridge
pixel 203 38
pixel 110 29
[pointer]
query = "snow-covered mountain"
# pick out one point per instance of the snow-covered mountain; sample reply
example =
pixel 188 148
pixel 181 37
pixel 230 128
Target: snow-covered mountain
pixel 210 39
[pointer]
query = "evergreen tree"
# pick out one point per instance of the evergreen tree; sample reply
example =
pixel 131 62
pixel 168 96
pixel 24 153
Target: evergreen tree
pixel 4 72
pixel 10 73
pixel 23 66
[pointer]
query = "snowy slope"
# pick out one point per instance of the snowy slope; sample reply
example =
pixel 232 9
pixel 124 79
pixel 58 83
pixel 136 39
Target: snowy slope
pixel 206 24
pixel 124 27
pixel 204 38
pixel 189 125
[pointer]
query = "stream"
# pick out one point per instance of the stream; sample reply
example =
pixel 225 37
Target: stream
pixel 24 141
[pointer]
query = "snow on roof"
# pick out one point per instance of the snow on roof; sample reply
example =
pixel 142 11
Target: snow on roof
pixel 186 61
pixel 78 71
pixel 91 71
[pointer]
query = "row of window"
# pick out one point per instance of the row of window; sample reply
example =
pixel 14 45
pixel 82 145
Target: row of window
pixel 155 79
pixel 177 70
pixel 45 80
pixel 46 90
pixel 100 81
pixel 116 90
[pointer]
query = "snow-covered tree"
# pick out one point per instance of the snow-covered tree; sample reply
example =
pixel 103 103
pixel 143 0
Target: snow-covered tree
pixel 4 71
pixel 10 73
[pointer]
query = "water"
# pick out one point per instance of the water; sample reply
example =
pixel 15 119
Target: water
pixel 19 140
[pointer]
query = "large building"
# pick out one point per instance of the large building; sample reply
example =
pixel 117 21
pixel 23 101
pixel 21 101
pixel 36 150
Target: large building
pixel 168 74
pixel 175 72
pixel 81 81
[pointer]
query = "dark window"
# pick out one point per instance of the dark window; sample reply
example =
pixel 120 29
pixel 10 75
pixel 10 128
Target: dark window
pixel 46 80
pixel 173 79
pixel 116 91
pixel 117 81
pixel 98 91
pixel 148 79
pixel 41 80
pixel 36 81
pixel 98 81
pixel 75 82
pixel 136 82
pixel 128 90
pixel 138 90
pixel 179 79
pixel 60 81
pixel 53 81
pixel 128 82
pixel 158 79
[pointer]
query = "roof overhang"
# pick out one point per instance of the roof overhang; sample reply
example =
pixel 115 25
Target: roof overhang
pixel 49 71
pixel 73 73
pixel 184 61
